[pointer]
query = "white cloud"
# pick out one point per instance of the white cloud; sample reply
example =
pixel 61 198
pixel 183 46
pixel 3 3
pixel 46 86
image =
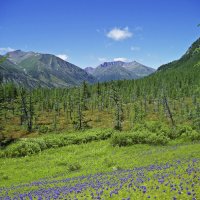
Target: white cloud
pixel 63 56
pixel 134 48
pixel 102 59
pixel 118 34
pixel 120 59
pixel 5 50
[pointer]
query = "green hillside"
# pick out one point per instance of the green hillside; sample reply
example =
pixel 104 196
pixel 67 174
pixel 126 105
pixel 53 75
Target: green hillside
pixel 12 73
pixel 179 78
pixel 45 69
pixel 188 61
pixel 54 71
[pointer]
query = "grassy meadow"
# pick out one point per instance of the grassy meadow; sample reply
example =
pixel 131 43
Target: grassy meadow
pixel 90 166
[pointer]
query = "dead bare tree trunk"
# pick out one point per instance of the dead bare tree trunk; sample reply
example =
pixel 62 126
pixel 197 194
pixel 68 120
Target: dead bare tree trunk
pixel 27 110
pixel 166 105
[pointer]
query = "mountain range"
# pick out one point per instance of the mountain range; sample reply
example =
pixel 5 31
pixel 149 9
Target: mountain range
pixel 119 70
pixel 32 69
pixel 35 69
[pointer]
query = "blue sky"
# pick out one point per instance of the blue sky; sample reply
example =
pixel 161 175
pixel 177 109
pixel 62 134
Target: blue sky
pixel 89 32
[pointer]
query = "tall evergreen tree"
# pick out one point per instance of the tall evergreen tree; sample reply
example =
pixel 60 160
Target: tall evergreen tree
pixel 85 94
pixel 80 121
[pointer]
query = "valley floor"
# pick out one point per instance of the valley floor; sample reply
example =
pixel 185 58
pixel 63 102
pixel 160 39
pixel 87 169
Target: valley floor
pixel 97 170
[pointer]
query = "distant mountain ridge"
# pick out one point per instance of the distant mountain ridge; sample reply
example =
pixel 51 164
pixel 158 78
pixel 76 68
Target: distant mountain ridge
pixel 44 70
pixel 18 55
pixel 32 69
pixel 10 72
pixel 89 70
pixel 118 70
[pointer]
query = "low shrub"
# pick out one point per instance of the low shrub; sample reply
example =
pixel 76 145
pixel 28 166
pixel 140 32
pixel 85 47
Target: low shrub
pixel 187 133
pixel 194 135
pixel 154 139
pixel 40 141
pixel 54 142
pixel 154 127
pixel 109 162
pixel 184 130
pixel 43 129
pixel 74 166
pixel 162 131
pixel 122 139
pixel 196 123
pixel 138 137
pixel 5 177
pixel 24 147
pixel 104 135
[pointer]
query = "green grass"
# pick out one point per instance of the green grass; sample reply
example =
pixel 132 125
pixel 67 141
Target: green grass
pixel 93 158
pixel 89 153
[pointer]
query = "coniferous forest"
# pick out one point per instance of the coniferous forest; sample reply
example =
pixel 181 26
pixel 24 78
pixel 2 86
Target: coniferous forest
pixel 169 97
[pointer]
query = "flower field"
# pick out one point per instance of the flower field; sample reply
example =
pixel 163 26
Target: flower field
pixel 174 179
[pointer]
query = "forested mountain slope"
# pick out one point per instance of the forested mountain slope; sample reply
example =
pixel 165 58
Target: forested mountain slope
pixel 175 79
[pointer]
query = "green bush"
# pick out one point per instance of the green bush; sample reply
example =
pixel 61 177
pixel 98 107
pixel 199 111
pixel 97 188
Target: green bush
pixel 122 139
pixel 173 133
pixel 185 132
pixel 74 166
pixel 90 138
pixel 22 148
pixel 43 129
pixel 105 135
pixel 30 146
pixel 54 142
pixel 1 153
pixel 40 141
pixel 5 177
pixel 68 139
pixel 194 135
pixel 108 162
pixel 157 139
pixel 154 127
pixel 138 137
pixel 162 130
pixel 196 123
